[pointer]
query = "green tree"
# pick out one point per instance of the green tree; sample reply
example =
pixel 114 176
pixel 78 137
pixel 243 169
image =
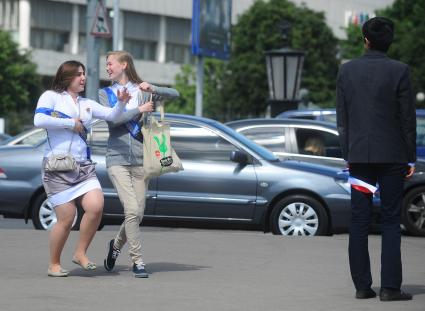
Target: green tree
pixel 213 105
pixel 19 85
pixel 185 84
pixel 238 88
pixel 409 38
pixel 352 47
pixel 257 31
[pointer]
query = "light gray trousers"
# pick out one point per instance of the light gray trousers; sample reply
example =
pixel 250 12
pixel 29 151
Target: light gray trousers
pixel 131 188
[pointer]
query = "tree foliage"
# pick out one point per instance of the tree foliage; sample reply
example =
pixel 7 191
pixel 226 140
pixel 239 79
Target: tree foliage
pixel 353 46
pixel 238 88
pixel 257 31
pixel 409 38
pixel 213 104
pixel 19 85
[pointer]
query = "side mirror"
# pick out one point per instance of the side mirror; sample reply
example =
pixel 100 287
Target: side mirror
pixel 239 157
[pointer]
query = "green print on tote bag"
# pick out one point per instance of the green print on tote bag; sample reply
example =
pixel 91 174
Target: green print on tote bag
pixel 159 156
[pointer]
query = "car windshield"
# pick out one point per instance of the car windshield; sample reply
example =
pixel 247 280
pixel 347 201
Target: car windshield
pixel 420 131
pixel 329 118
pixel 261 151
pixel 33 137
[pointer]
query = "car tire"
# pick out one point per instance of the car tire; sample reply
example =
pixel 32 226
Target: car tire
pixel 299 215
pixel 413 211
pixel 44 217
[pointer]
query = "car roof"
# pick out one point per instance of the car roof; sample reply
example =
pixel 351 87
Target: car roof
pixel 263 121
pixel 307 112
pixel 186 117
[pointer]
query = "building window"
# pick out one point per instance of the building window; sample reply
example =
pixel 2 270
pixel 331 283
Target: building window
pixel 179 53
pixel 141 49
pixel 49 39
pixel 105 44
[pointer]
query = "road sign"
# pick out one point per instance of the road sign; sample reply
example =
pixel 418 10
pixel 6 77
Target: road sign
pixel 101 26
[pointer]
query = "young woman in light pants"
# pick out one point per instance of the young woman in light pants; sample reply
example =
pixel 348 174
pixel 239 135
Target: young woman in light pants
pixel 124 156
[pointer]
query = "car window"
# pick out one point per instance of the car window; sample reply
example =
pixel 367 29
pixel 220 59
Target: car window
pixel 420 131
pixel 329 118
pixel 272 138
pixel 317 143
pixel 193 142
pixel 99 137
pixel 34 139
pixel 304 117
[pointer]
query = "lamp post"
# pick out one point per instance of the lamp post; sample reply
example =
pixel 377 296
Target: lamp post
pixel 284 69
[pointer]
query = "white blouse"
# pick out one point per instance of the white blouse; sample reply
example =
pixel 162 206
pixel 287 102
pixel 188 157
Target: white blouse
pixel 60 131
pixel 134 91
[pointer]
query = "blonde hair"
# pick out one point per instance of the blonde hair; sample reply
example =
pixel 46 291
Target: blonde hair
pixel 130 70
pixel 315 146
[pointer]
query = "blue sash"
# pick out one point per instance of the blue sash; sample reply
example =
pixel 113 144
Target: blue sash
pixel 58 114
pixel 132 126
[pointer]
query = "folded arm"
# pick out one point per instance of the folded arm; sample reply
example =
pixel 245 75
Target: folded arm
pixel 42 120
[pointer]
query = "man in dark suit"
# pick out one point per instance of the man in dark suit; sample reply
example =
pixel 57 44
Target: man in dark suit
pixel 376 122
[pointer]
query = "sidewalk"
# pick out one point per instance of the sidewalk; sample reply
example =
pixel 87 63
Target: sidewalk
pixel 201 270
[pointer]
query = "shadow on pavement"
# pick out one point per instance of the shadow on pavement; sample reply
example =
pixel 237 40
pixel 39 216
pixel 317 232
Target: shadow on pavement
pixel 154 267
pixel 413 289
pixel 409 288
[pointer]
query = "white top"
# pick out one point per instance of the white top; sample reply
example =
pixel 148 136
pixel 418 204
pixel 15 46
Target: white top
pixel 60 129
pixel 133 89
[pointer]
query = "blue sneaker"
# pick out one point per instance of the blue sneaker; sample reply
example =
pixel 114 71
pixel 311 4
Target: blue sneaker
pixel 112 256
pixel 140 271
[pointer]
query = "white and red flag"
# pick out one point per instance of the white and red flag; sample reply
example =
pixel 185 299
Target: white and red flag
pixel 362 186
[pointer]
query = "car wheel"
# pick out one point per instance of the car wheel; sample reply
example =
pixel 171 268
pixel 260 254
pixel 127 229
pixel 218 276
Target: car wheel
pixel 299 215
pixel 44 216
pixel 413 211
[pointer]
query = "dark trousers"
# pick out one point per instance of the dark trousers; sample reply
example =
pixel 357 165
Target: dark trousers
pixel 390 178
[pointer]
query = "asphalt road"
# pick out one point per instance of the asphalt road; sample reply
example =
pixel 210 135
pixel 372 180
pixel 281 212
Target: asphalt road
pixel 196 269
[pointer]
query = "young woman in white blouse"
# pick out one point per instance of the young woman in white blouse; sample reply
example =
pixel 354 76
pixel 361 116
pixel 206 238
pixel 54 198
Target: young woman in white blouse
pixel 67 117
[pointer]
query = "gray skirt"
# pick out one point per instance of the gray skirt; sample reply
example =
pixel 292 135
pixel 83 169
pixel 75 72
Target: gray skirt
pixel 56 182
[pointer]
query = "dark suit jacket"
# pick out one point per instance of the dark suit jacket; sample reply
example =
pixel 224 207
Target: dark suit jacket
pixel 376 115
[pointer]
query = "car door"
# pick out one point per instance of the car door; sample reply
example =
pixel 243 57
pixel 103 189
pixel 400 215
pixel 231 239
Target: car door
pixel 210 186
pixel 98 143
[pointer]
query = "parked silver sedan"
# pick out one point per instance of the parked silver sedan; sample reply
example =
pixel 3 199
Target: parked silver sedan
pixel 289 139
pixel 226 179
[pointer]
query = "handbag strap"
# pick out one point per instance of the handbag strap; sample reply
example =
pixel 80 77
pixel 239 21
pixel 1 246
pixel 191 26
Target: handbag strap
pixel 147 116
pixel 72 138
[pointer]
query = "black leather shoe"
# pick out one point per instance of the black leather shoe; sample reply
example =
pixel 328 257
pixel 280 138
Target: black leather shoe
pixel 388 294
pixel 365 293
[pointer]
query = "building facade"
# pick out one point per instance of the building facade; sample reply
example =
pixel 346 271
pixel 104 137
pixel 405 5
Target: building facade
pixel 156 32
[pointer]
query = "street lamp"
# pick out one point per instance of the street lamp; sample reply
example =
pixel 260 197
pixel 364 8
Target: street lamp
pixel 284 69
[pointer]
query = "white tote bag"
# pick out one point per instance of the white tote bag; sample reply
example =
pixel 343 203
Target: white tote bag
pixel 159 156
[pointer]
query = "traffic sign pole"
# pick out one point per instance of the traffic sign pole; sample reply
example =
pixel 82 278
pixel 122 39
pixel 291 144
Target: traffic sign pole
pixel 93 47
